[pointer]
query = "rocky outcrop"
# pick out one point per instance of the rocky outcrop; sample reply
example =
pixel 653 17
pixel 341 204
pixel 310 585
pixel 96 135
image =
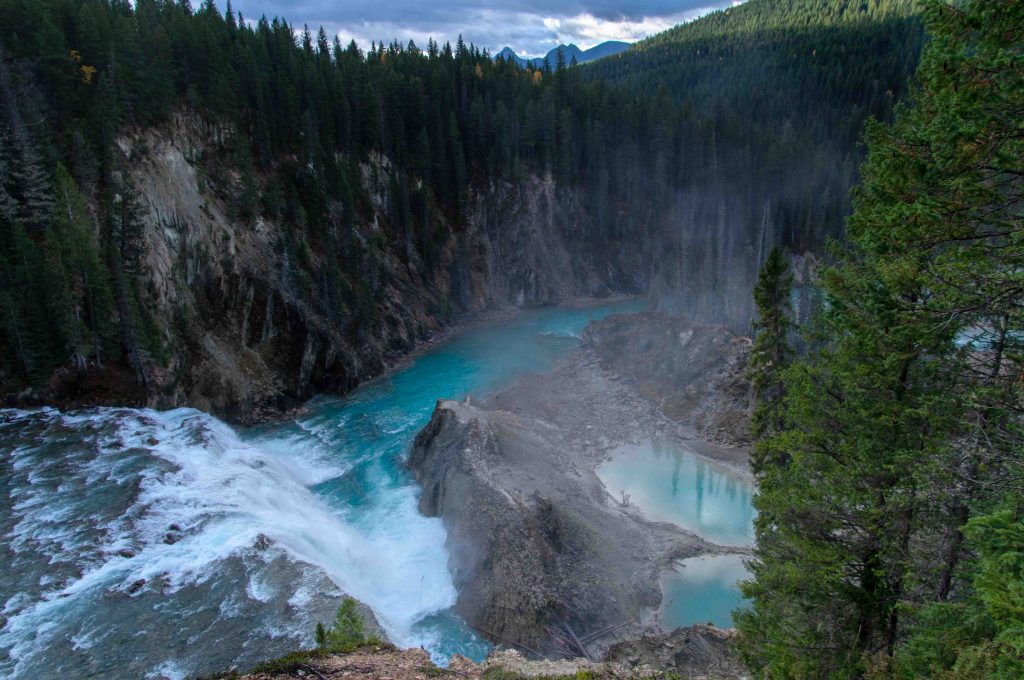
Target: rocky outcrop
pixel 697 653
pixel 695 373
pixel 700 651
pixel 247 325
pixel 540 552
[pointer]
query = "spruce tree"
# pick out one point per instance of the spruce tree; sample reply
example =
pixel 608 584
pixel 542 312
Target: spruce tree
pixel 29 178
pixel 889 545
pixel 81 299
pixel 771 352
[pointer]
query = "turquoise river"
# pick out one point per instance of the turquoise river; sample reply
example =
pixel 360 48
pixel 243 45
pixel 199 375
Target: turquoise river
pixel 166 544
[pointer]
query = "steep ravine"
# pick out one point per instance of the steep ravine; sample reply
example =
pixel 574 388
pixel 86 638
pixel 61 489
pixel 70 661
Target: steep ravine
pixel 246 334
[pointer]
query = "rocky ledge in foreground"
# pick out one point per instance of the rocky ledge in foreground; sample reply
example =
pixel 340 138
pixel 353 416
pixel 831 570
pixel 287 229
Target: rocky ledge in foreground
pixel 700 653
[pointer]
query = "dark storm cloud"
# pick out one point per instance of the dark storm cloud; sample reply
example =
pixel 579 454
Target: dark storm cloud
pixel 528 26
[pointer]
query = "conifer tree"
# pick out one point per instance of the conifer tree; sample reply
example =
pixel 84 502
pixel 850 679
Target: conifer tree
pixel 771 352
pixel 124 255
pixel 81 300
pixel 904 421
pixel 29 179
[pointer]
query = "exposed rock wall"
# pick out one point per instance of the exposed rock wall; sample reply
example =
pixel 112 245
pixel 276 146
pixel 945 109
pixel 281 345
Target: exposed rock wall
pixel 534 539
pixel 695 373
pixel 245 339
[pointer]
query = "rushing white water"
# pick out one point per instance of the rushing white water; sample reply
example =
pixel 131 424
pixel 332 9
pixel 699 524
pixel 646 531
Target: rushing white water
pixel 115 505
pixel 166 544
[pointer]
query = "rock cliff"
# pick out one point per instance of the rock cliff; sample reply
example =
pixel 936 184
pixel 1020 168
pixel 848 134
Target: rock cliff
pixel 239 305
pixel 541 554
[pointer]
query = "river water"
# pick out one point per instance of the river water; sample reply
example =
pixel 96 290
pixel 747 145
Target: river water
pixel 139 543
pixel 672 484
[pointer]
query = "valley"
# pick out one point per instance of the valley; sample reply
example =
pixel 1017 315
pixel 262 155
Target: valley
pixel 281 519
pixel 696 356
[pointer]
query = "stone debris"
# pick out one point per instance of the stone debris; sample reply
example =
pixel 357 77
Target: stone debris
pixel 385 663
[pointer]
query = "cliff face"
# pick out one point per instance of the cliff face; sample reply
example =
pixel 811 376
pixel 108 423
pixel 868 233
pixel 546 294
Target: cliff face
pixel 538 549
pixel 695 373
pixel 247 329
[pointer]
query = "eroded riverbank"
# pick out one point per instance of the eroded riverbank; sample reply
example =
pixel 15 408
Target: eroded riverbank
pixel 543 554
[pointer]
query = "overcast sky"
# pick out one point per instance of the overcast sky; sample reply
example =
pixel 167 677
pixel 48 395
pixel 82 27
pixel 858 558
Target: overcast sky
pixel 530 27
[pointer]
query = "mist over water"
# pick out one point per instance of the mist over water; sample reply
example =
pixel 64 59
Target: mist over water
pixel 165 544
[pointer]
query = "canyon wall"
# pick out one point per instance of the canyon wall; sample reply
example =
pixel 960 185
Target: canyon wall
pixel 247 330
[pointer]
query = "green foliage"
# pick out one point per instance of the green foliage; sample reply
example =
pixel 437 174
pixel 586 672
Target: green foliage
pixel 81 298
pixel 782 89
pixel 981 637
pixel 348 631
pixel 289 663
pixel 904 419
pixel 346 634
pixel 771 352
pixel 306 117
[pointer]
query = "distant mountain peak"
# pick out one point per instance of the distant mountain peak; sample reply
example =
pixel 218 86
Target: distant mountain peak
pixel 569 52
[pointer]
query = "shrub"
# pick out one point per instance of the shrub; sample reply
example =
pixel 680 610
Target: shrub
pixel 348 632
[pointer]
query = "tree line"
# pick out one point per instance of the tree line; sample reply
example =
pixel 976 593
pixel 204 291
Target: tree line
pixel 305 114
pixel 782 89
pixel 682 182
pixel 890 534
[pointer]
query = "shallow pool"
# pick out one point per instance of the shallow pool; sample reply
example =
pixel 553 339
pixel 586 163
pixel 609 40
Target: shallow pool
pixel 702 590
pixel 672 484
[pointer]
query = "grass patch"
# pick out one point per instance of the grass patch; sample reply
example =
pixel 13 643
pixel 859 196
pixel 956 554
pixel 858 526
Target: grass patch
pixel 289 663
pixel 346 635
pixel 504 674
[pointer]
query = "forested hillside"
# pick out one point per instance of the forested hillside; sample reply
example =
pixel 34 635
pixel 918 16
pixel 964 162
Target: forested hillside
pixel 890 536
pixel 783 88
pixel 231 213
pixel 425 172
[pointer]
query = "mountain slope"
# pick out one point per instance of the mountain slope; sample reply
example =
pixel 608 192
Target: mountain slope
pixel 228 217
pixel 198 210
pixel 786 59
pixel 783 88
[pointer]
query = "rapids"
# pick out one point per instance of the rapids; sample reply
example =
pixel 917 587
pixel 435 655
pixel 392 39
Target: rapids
pixel 168 544
pixel 140 543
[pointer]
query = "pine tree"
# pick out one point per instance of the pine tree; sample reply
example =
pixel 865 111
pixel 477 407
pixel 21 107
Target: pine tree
pixel 905 418
pixel 29 179
pixel 771 352
pixel 124 255
pixel 8 207
pixel 81 300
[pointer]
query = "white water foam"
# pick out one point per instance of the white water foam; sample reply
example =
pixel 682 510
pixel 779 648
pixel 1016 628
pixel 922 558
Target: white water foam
pixel 219 496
